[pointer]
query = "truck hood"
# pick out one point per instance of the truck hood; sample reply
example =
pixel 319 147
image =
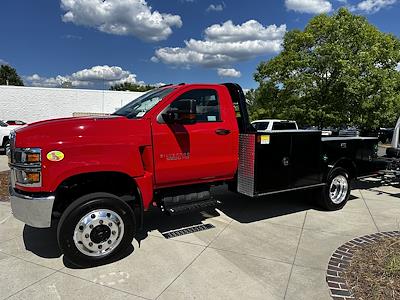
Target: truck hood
pixel 82 130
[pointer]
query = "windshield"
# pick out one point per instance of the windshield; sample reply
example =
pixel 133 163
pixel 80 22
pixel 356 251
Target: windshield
pixel 2 124
pixel 140 106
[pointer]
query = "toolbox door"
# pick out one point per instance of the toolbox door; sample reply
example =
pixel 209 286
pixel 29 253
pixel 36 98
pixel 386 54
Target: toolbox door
pixel 272 167
pixel 306 158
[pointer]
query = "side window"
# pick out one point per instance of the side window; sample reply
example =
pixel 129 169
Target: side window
pixel 207 104
pixel 261 125
pixel 284 126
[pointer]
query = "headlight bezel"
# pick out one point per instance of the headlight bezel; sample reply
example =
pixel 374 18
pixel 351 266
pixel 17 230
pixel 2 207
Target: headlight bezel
pixel 20 157
pixel 22 177
pixel 26 166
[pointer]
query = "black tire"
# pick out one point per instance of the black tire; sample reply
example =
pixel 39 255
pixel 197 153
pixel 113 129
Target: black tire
pixel 80 208
pixel 326 200
pixel 393 152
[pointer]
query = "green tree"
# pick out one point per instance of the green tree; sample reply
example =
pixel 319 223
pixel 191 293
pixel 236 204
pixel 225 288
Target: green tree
pixel 8 75
pixel 133 87
pixel 339 70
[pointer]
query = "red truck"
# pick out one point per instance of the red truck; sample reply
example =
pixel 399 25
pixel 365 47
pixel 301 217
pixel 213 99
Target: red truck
pixel 96 176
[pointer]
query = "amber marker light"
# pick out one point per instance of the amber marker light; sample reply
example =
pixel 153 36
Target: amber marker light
pixel 33 177
pixel 32 157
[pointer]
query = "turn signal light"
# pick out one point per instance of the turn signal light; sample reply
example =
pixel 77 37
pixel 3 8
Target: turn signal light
pixel 33 177
pixel 32 157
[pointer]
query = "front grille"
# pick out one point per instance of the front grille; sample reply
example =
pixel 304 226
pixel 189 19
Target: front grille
pixel 16 156
pixel 11 150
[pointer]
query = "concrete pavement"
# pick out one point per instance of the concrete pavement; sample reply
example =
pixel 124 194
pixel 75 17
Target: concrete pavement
pixel 3 163
pixel 268 248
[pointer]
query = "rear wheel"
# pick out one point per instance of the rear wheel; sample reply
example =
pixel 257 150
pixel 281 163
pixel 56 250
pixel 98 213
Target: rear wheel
pixel 95 229
pixel 336 192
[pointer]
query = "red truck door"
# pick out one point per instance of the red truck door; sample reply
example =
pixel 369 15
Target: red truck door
pixel 204 151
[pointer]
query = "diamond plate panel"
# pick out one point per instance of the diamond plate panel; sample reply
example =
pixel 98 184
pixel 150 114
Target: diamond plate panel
pixel 246 164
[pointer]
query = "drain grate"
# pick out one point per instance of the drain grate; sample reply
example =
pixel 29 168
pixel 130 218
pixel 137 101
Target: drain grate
pixel 186 230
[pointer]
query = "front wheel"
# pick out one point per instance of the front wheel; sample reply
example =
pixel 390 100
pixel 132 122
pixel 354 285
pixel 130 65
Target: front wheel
pixel 336 192
pixel 95 229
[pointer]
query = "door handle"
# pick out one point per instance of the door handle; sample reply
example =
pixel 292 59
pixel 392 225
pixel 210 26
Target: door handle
pixel 222 131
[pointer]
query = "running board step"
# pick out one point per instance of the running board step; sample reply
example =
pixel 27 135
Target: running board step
pixel 189 207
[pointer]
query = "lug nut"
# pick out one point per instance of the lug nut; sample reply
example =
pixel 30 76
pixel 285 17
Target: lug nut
pixel 92 216
pixel 100 246
pixel 90 244
pixel 109 241
pixel 108 215
pixel 86 235
pixel 113 232
pixel 110 224
pixel 101 222
pixel 91 226
pixel 81 228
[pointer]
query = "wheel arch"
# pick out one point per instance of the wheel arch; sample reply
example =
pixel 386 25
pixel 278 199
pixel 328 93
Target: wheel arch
pixel 345 163
pixel 116 183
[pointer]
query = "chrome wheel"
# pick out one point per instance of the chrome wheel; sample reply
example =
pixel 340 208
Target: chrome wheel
pixel 338 189
pixel 99 232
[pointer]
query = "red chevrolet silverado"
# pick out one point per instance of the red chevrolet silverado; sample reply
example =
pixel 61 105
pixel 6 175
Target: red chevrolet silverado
pixel 96 176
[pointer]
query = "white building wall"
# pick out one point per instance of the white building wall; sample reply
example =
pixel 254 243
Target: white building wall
pixel 31 104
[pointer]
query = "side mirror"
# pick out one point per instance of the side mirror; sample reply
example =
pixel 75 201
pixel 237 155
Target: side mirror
pixel 181 111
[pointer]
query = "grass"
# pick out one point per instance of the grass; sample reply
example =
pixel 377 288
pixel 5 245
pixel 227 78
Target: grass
pixel 374 272
pixel 393 265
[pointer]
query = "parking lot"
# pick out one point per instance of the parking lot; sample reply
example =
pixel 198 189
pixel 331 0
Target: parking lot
pixel 267 248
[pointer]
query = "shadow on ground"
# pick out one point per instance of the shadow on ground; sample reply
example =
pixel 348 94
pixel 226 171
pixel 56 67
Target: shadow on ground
pixel 43 242
pixel 378 184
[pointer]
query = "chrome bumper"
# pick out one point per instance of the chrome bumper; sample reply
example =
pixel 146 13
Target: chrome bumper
pixel 33 211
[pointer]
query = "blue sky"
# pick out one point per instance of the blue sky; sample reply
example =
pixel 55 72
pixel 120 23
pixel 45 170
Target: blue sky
pixel 96 43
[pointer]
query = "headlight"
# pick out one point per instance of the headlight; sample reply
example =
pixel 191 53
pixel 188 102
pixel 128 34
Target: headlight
pixel 26 156
pixel 27 177
pixel 32 157
pixel 25 164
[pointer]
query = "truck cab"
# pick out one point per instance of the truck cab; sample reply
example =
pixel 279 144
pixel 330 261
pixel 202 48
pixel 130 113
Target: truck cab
pixel 96 176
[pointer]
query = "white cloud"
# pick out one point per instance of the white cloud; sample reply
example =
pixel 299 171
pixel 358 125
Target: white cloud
pixel 398 67
pixel 372 6
pixel 215 7
pixel 309 6
pixel 36 80
pixel 121 17
pixel 86 77
pixel 101 73
pixel 228 72
pixel 3 62
pixel 225 44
